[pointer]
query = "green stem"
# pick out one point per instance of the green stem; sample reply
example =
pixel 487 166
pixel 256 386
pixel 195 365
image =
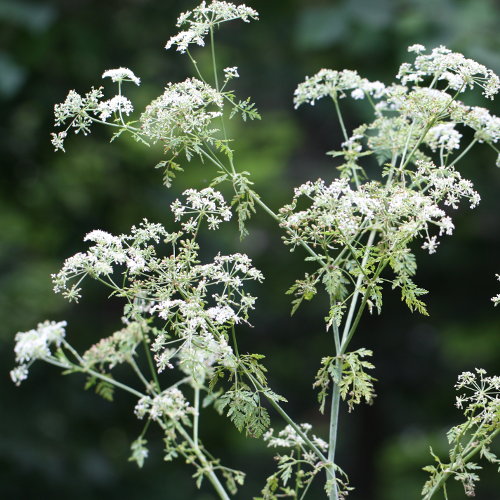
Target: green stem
pixel 463 153
pixel 355 297
pixel 150 363
pixel 233 334
pixel 334 414
pixel 98 375
pixel 287 419
pixel 207 467
pixel 138 372
pixel 341 120
pixel 257 199
pixel 195 64
pixel 214 64
pixel 334 421
pixel 275 217
pixel 128 127
pixel 196 418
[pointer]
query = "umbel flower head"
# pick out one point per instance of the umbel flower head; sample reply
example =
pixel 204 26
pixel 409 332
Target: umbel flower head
pixel 335 84
pixel 196 303
pixel 182 116
pixel 121 75
pixel 201 19
pixel 458 72
pixel 78 112
pixel 36 344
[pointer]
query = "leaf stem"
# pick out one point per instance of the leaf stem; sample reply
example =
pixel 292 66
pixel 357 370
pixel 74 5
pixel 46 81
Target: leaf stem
pixel 463 153
pixel 109 380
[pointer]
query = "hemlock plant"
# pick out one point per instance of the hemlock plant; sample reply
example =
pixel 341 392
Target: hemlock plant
pixel 397 184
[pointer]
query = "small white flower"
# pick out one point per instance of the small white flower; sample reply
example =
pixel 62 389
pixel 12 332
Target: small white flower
pixel 182 116
pixel 201 19
pixel 231 72
pixel 223 314
pixel 357 94
pixel 35 344
pixel 417 48
pixel 120 75
pixel 118 104
pixel 207 203
pixel 18 374
pixel 431 244
pixel 58 140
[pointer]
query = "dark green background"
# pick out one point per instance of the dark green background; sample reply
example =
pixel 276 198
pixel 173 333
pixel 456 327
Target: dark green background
pixel 57 441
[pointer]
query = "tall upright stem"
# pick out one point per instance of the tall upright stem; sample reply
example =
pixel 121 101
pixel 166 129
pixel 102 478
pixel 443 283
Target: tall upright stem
pixel 340 346
pixel 355 297
pixel 196 417
pixel 334 415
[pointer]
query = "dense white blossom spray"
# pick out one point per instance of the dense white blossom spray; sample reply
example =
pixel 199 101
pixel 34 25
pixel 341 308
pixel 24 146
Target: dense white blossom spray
pixel 398 185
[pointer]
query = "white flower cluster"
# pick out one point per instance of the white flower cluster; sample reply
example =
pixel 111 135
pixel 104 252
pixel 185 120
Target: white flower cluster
pixel 201 19
pixel 230 73
pixel 195 302
pixel 36 344
pixel 333 83
pixel 78 109
pixel 182 115
pixel 496 299
pixel 133 251
pixel 486 125
pixel 81 111
pixel 207 203
pixel 422 104
pixel 338 213
pixel 416 109
pixel 199 354
pixel 170 404
pixel 200 326
pixel 443 136
pixel 116 349
pixel 121 75
pixel 289 438
pixel 454 68
pixel 482 399
pixel 117 104
pixel 446 184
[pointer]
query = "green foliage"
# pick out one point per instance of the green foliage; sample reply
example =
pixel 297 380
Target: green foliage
pixel 170 169
pixel 245 411
pixel 103 388
pixel 245 108
pixel 243 200
pixel 356 271
pixel 410 293
pixel 234 479
pixel 303 290
pixel 481 407
pixel 139 451
pixel 348 371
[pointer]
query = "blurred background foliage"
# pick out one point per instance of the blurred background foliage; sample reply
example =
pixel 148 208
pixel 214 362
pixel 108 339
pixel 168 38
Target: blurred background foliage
pixel 58 441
